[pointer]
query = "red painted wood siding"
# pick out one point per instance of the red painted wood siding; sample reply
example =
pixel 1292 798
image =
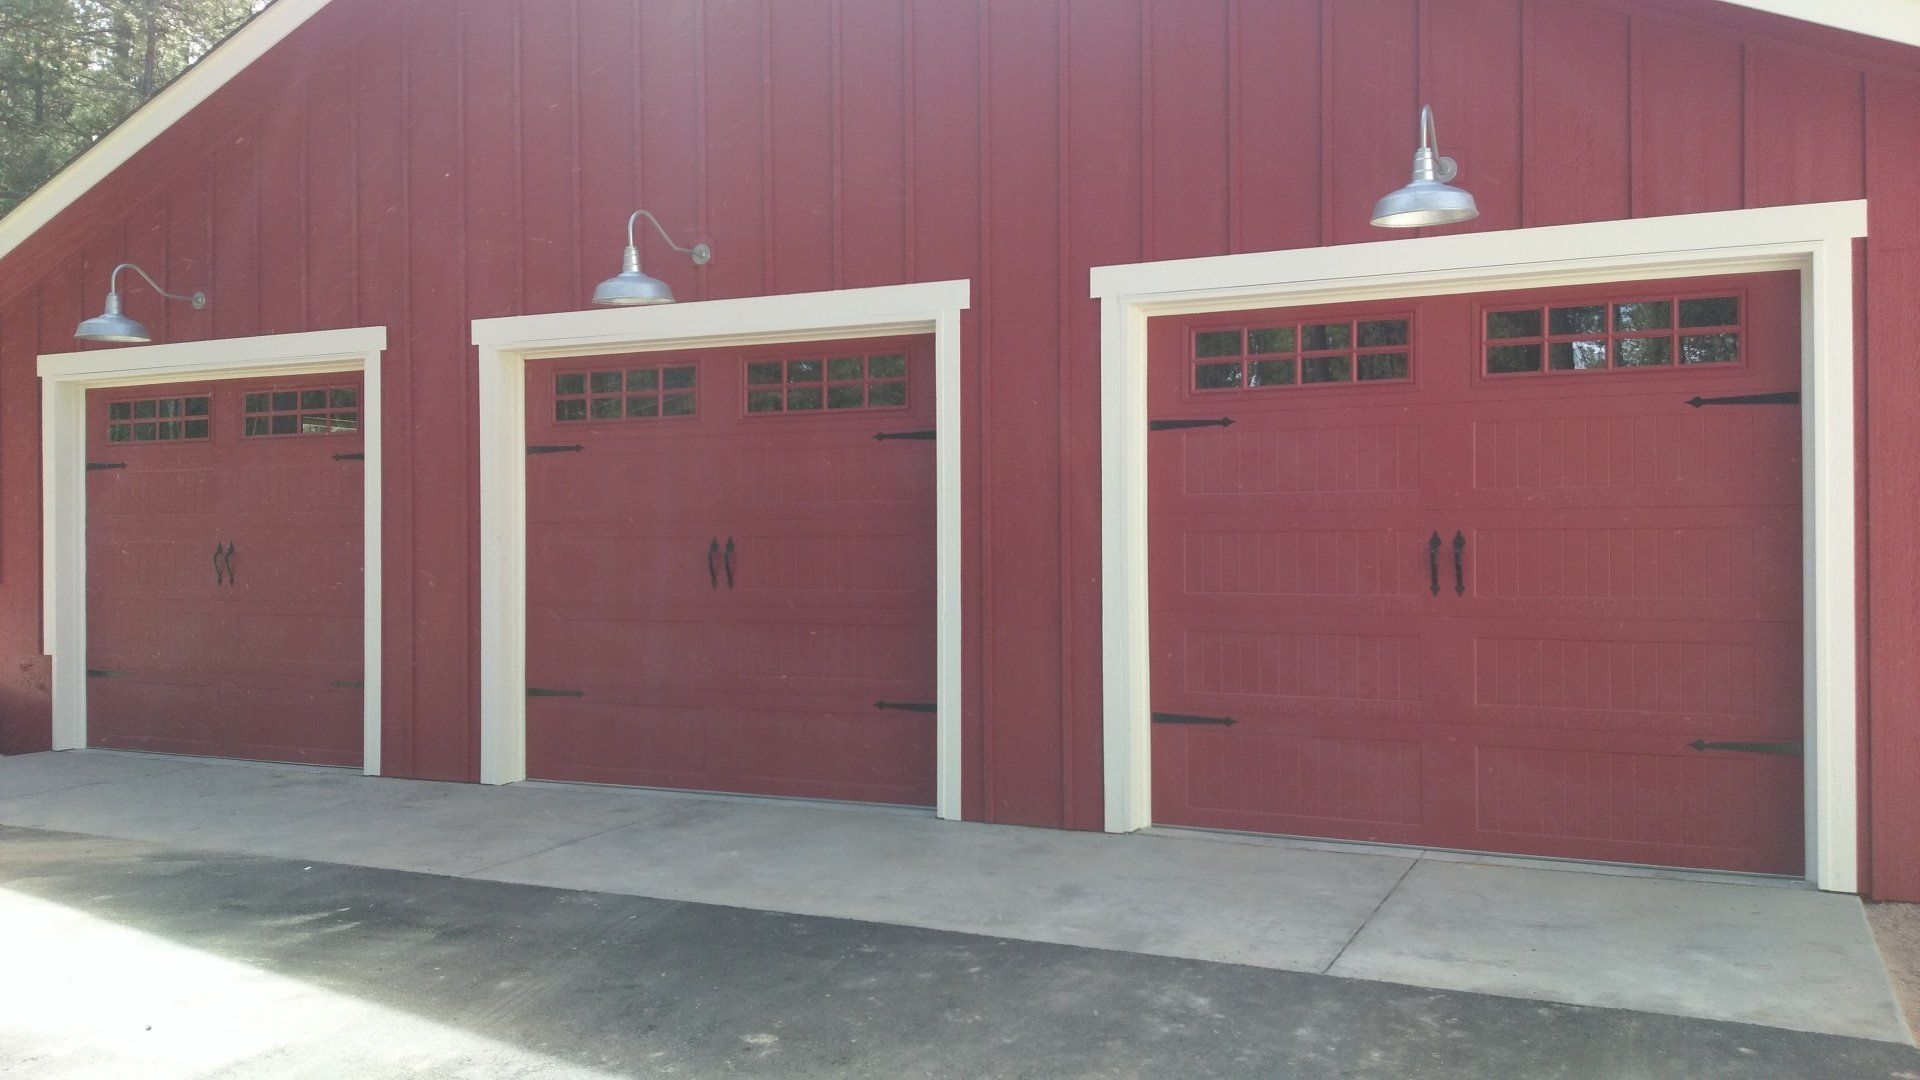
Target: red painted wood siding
pixel 423 164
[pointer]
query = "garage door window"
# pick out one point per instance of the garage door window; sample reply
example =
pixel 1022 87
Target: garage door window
pixel 169 419
pixel 1616 335
pixel 827 383
pixel 313 410
pixel 627 394
pixel 1304 353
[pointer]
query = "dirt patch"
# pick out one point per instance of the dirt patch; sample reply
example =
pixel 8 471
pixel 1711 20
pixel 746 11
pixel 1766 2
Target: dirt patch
pixel 1897 928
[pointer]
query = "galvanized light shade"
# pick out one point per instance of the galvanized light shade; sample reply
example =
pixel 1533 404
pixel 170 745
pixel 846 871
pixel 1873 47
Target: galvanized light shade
pixel 1431 199
pixel 113 327
pixel 632 288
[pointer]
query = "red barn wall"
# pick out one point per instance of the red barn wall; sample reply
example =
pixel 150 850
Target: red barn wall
pixel 423 164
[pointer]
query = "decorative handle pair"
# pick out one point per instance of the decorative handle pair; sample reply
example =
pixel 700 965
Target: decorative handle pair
pixel 1459 564
pixel 713 575
pixel 223 564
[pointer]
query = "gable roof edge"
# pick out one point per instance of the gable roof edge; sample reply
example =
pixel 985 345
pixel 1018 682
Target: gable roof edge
pixel 1891 20
pixel 160 112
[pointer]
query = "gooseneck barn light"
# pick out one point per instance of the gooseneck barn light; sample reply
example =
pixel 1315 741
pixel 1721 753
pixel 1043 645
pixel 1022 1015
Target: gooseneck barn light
pixel 630 287
pixel 1431 199
pixel 113 326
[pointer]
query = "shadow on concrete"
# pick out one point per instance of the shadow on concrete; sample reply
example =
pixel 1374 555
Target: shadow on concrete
pixel 597 984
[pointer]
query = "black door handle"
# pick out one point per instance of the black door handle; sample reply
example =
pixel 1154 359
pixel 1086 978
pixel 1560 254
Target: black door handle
pixel 729 562
pixel 1433 563
pixel 219 578
pixel 713 575
pixel 232 578
pixel 1459 564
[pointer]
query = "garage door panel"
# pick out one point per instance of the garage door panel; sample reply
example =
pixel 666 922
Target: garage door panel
pixel 153 493
pixel 723 596
pixel 1247 673
pixel 851 753
pixel 1640 452
pixel 178 712
pixel 261 662
pixel 1252 468
pixel 606 564
pixel 1646 806
pixel 627 481
pixel 1626 584
pixel 1327 785
pixel 834 474
pixel 1747 684
pixel 1234 556
pixel 155 568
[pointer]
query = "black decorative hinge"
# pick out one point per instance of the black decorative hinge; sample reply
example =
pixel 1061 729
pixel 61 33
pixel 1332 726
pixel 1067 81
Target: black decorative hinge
pixel 1784 397
pixel 907 706
pixel 1794 748
pixel 349 457
pixel 1176 425
pixel 1184 718
pixel 100 466
pixel 554 448
pixel 927 435
pixel 103 673
pixel 547 691
pixel 349 684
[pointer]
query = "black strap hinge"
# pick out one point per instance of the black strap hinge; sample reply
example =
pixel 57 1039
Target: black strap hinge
pixel 100 466
pixel 1186 718
pixel 349 684
pixel 547 691
pixel 1784 397
pixel 1176 425
pixel 554 448
pixel 103 673
pixel 349 457
pixel 907 706
pixel 1794 748
pixel 926 435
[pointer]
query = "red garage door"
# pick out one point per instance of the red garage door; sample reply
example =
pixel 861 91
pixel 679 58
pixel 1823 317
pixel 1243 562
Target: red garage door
pixel 224 569
pixel 730 571
pixel 1515 572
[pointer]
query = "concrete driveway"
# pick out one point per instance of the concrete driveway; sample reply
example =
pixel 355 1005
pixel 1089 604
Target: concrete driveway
pixel 1265 935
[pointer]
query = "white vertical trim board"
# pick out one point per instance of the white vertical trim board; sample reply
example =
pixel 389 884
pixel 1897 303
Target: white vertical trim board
pixel 506 344
pixel 1815 239
pixel 65 379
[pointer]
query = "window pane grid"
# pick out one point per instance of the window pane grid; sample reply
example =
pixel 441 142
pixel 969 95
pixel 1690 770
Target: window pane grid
pixel 1303 353
pixel 171 419
pixel 628 393
pixel 834 383
pixel 312 410
pixel 1618 334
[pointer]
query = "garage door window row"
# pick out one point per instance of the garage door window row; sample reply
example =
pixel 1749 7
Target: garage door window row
pixel 628 394
pixel 321 410
pixel 811 384
pixel 1616 335
pixel 167 419
pixel 1302 354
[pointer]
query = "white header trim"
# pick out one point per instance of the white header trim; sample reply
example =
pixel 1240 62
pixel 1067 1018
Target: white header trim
pixel 506 344
pixel 1816 240
pixel 65 379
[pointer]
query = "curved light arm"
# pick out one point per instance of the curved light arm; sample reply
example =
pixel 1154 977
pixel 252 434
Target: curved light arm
pixel 198 299
pixel 1428 162
pixel 701 253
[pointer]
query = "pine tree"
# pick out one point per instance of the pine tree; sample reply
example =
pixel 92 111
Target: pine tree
pixel 72 69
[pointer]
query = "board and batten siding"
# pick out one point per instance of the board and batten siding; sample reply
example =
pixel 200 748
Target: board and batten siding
pixel 423 164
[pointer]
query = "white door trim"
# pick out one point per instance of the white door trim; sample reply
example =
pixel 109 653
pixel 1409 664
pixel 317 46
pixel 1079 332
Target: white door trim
pixel 1814 239
pixel 65 379
pixel 506 344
